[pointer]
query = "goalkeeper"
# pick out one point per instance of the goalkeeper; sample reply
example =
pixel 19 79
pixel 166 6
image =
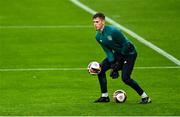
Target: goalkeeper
pixel 121 55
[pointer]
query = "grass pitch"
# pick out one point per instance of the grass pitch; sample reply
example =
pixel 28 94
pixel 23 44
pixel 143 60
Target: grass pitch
pixel 72 92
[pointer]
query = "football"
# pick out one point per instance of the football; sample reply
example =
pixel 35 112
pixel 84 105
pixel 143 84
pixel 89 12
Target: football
pixel 94 68
pixel 119 96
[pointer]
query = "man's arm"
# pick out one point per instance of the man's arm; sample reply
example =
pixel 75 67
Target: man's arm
pixel 109 54
pixel 118 35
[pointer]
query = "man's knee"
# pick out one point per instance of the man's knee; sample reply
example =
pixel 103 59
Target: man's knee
pixel 105 65
pixel 101 74
pixel 126 78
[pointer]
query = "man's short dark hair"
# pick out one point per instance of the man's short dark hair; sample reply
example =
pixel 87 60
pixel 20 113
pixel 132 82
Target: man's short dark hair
pixel 100 15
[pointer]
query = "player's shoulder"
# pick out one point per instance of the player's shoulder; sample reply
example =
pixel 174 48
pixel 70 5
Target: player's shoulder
pixel 97 35
pixel 112 28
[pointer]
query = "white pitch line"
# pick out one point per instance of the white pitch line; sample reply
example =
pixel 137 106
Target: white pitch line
pixel 76 69
pixel 44 27
pixel 159 67
pixel 136 36
pixel 42 69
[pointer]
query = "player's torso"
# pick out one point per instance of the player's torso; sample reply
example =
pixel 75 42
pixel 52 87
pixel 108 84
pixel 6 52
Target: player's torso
pixel 110 40
pixel 107 38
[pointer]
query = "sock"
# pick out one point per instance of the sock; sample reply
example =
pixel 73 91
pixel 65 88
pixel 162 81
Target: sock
pixel 105 94
pixel 144 95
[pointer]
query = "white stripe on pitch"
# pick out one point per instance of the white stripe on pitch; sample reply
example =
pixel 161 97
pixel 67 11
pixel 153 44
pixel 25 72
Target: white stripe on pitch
pixel 136 36
pixel 43 27
pixel 159 67
pixel 42 69
pixel 76 69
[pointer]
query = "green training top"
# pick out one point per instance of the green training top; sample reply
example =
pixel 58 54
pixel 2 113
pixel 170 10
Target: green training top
pixel 112 40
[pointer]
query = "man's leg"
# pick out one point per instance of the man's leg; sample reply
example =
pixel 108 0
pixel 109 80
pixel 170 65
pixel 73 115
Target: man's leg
pixel 126 76
pixel 126 73
pixel 105 65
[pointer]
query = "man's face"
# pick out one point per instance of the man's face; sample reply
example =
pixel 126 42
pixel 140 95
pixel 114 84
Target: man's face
pixel 98 23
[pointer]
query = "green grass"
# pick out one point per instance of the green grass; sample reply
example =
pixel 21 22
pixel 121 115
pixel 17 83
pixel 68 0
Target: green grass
pixel 73 92
pixel 156 21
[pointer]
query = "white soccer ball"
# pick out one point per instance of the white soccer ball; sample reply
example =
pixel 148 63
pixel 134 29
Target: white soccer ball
pixel 94 68
pixel 119 96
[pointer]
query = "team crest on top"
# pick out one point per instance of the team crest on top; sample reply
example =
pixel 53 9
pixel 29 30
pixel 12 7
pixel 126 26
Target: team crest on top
pixel 109 37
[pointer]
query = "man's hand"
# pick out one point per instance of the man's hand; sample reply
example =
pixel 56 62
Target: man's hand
pixel 115 66
pixel 114 74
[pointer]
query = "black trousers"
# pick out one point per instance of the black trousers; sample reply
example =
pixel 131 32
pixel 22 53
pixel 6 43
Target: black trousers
pixel 126 66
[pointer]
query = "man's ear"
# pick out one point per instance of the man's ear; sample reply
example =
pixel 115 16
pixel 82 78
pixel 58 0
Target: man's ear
pixel 103 22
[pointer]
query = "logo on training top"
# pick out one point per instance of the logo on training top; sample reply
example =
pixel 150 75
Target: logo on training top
pixel 109 38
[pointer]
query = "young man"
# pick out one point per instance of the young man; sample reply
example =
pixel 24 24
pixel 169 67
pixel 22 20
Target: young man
pixel 121 55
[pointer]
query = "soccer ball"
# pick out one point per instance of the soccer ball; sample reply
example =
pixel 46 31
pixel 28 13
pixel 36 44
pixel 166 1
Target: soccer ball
pixel 94 68
pixel 119 96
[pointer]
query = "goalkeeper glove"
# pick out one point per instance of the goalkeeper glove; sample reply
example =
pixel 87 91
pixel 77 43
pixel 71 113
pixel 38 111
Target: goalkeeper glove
pixel 114 72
